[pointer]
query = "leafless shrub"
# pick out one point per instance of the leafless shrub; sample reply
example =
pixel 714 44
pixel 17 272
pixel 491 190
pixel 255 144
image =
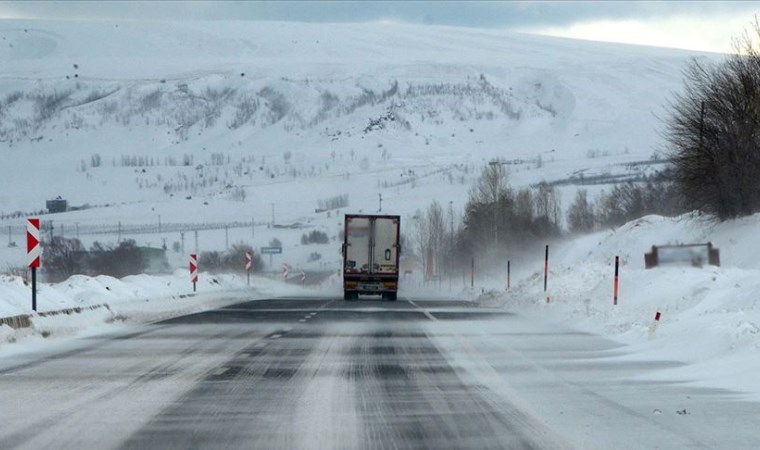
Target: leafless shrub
pixel 580 216
pixel 338 201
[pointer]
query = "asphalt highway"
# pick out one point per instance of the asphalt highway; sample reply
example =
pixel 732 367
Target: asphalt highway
pixel 329 374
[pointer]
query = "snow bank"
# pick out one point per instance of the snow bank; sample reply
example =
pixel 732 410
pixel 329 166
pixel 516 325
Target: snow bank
pixel 709 314
pixel 106 301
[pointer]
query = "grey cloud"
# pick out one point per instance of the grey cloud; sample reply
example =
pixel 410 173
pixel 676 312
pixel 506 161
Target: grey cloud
pixel 471 14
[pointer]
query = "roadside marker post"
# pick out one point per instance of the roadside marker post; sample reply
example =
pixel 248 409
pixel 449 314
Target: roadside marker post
pixel 34 252
pixel 617 265
pixel 472 273
pixel 546 271
pixel 285 271
pixel 303 278
pixel 248 267
pixel 508 274
pixel 655 324
pixel 194 269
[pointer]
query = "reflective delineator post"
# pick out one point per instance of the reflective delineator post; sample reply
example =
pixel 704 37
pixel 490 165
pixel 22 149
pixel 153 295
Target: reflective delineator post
pixel 617 265
pixel 546 267
pixel 508 274
pixel 248 259
pixel 472 273
pixel 34 253
pixel 546 271
pixel 655 324
pixel 194 269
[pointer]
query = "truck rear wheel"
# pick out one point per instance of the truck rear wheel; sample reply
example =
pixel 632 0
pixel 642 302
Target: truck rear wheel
pixel 391 296
pixel 348 296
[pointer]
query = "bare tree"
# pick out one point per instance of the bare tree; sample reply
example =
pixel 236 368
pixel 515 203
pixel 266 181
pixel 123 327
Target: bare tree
pixel 714 132
pixel 488 202
pixel 63 258
pixel 580 216
pixel 548 206
pixel 437 228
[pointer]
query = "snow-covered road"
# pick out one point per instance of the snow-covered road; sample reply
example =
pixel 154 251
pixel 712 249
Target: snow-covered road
pixel 328 374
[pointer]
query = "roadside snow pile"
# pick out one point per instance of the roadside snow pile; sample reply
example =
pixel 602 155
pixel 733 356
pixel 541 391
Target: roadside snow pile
pixel 710 315
pixel 101 301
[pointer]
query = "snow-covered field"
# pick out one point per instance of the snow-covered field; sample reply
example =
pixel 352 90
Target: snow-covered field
pixel 207 123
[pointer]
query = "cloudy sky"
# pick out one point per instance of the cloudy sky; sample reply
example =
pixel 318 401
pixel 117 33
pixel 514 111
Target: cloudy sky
pixel 708 26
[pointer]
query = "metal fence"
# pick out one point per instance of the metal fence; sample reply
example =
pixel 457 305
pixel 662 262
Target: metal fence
pixel 48 228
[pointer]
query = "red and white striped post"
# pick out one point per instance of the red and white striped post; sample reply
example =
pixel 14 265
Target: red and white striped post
pixel 194 269
pixel 285 271
pixel 34 252
pixel 655 324
pixel 617 265
pixel 546 271
pixel 248 259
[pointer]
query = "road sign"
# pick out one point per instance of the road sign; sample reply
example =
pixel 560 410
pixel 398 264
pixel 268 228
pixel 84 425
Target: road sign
pixel 34 252
pixel 193 269
pixel 248 261
pixel 33 249
pixel 271 250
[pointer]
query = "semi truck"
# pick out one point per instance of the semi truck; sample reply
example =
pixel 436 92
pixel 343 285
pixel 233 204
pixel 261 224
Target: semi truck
pixel 370 256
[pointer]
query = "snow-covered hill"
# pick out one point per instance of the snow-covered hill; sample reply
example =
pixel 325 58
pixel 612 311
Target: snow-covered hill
pixel 240 121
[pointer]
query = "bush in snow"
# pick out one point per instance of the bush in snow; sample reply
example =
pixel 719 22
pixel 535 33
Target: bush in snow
pixel 233 260
pixel 63 258
pixel 315 237
pixel 580 216
pixel 120 261
pixel 630 201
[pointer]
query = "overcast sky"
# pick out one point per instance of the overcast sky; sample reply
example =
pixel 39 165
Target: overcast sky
pixel 695 25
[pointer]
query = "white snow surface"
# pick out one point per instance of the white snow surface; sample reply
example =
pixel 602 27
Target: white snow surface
pixel 105 302
pixel 167 91
pixel 709 315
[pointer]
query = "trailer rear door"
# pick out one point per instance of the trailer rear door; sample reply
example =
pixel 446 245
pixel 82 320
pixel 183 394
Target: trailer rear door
pixel 358 249
pixel 385 248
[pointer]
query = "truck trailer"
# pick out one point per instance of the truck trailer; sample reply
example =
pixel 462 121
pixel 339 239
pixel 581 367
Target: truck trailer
pixel 370 256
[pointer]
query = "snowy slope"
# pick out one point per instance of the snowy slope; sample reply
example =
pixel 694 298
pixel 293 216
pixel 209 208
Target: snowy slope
pixel 708 314
pixel 183 116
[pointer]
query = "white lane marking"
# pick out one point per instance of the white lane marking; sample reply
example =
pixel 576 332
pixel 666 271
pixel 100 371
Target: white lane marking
pixel 220 371
pixel 245 355
pixel 260 344
pixel 302 320
pixel 424 311
pixel 326 304
pixel 275 336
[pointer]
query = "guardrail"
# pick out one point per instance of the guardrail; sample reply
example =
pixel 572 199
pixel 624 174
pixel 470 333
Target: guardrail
pixel 25 320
